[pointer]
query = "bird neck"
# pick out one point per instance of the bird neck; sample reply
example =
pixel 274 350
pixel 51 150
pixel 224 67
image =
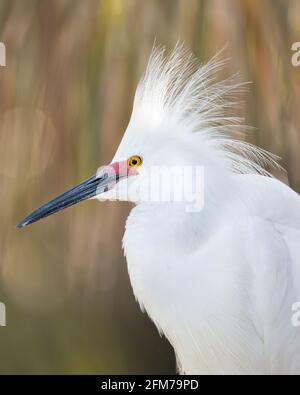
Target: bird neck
pixel 170 225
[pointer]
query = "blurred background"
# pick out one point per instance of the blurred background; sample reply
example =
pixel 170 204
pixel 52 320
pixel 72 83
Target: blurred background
pixel 65 100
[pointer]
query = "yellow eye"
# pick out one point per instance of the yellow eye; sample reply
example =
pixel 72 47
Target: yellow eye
pixel 134 161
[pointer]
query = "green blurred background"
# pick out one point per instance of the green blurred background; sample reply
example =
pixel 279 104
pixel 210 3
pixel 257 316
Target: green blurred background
pixel 65 100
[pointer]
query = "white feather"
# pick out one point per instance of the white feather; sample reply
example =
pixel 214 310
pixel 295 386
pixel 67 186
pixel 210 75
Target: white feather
pixel 220 283
pixel 177 93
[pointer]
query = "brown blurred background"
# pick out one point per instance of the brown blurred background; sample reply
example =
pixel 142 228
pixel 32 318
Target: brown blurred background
pixel 65 100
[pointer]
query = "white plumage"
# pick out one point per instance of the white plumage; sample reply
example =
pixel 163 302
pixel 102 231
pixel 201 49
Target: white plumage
pixel 219 284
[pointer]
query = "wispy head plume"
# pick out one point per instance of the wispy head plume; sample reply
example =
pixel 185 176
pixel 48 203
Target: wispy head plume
pixel 179 93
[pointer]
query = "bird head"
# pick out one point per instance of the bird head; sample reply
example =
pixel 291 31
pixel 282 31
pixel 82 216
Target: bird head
pixel 181 127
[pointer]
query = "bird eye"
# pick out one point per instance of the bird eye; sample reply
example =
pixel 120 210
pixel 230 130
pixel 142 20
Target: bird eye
pixel 134 161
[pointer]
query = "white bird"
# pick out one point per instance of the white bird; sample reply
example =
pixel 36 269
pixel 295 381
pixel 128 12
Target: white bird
pixel 221 282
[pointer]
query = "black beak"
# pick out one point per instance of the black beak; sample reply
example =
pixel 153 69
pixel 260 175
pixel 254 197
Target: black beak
pixel 85 190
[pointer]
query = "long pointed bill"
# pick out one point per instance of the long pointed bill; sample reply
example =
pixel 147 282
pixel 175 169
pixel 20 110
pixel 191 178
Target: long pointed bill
pixel 105 180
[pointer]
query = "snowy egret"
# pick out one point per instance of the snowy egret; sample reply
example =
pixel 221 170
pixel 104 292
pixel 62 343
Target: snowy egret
pixel 219 282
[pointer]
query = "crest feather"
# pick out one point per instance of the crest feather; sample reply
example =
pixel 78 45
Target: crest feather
pixel 186 96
